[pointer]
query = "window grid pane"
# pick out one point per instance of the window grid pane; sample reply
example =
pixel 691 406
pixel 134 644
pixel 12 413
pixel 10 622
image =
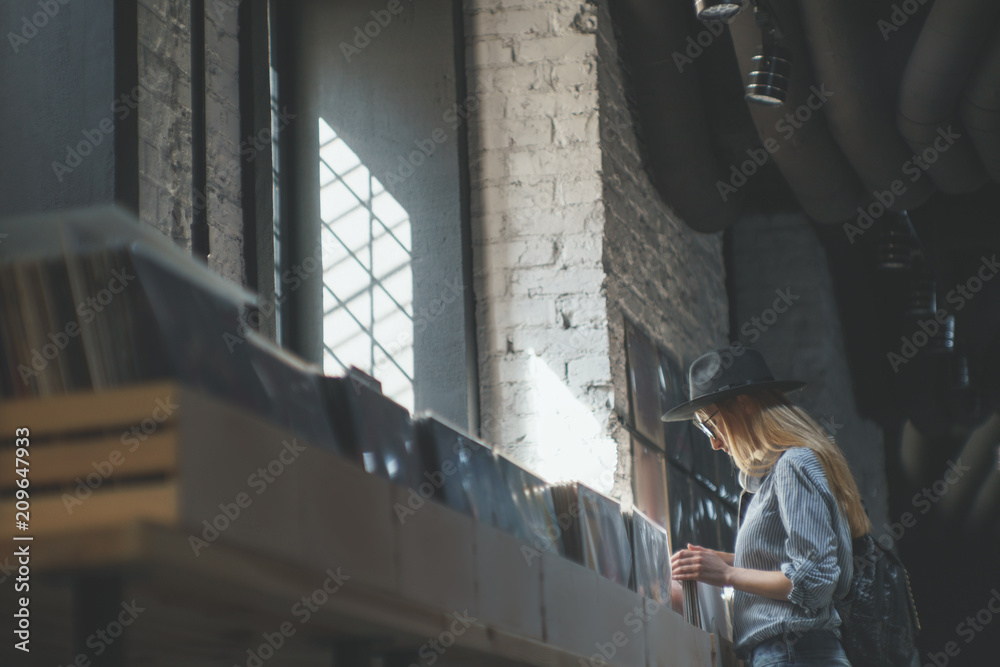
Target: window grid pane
pixel 367 272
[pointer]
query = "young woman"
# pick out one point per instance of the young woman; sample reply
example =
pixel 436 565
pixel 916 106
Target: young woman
pixel 793 552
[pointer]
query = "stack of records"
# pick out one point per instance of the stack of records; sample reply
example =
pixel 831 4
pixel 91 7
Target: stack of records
pixel 595 535
pixel 68 319
pixel 374 430
pixel 650 557
pixel 536 514
pixel 692 610
pixel 469 477
pixel 714 610
pixel 94 300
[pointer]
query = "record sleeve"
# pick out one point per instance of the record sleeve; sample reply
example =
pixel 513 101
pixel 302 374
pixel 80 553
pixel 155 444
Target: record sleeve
pixel 442 448
pixel 374 430
pixel 651 558
pixel 596 535
pixel 536 514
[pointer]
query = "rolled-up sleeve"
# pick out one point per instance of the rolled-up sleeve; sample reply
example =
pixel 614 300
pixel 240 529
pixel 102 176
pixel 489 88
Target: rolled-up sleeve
pixel 811 547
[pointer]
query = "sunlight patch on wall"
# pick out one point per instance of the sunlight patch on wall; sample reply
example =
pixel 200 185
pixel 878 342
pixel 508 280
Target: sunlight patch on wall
pixel 367 274
pixel 569 441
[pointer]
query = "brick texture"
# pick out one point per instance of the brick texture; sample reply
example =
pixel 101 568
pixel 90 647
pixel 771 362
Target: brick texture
pixel 164 107
pixel 222 114
pixel 570 238
pixel 166 196
pixel 665 277
pixel 538 217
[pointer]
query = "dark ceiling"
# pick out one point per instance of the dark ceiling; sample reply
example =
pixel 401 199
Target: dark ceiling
pixel 872 88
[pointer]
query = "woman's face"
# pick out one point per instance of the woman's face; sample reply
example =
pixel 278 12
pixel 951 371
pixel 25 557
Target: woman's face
pixel 707 421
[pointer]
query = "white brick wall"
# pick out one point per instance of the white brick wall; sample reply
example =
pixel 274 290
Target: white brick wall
pixel 538 223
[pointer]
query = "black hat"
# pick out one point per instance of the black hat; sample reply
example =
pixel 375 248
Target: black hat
pixel 723 373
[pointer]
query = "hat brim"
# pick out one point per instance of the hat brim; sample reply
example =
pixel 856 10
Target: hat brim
pixel 686 411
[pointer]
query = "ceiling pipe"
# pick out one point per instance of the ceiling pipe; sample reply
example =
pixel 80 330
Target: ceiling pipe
pixel 985 511
pixel 981 109
pixel 845 45
pixel 812 163
pixel 672 119
pixel 972 468
pixel 916 456
pixel 950 43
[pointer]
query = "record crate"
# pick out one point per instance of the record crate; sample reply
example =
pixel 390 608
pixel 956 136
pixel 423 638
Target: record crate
pixel 164 454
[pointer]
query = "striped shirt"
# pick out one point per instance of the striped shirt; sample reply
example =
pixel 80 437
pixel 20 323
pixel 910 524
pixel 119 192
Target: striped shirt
pixel 792 524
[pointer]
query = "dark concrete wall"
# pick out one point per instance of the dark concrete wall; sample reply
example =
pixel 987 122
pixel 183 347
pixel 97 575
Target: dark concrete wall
pixel 58 84
pixel 805 342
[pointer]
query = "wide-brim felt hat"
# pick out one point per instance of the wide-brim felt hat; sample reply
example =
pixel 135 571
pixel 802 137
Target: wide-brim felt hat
pixel 724 373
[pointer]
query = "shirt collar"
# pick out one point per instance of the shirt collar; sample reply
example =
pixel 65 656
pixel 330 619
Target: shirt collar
pixel 750 483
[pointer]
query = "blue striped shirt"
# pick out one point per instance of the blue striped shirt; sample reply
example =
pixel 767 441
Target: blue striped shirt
pixel 793 524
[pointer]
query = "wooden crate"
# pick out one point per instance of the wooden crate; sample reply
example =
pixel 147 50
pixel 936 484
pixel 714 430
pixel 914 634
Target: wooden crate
pixel 164 454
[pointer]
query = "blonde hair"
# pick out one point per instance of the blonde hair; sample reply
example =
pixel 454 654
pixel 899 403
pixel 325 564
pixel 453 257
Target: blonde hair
pixel 759 426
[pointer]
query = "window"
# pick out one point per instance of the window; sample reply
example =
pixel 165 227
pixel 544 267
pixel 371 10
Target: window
pixel 367 274
pixel 372 220
pixel 679 480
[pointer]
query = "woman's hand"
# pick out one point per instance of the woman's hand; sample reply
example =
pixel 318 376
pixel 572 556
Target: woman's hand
pixel 727 558
pixel 716 569
pixel 700 564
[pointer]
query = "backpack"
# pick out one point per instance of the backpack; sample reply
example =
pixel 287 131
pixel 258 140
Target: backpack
pixel 879 622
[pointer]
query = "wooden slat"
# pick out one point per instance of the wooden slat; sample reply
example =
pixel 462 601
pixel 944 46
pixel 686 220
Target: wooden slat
pixel 154 502
pixel 86 411
pixel 62 461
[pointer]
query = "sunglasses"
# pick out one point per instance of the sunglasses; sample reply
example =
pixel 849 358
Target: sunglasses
pixel 704 426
